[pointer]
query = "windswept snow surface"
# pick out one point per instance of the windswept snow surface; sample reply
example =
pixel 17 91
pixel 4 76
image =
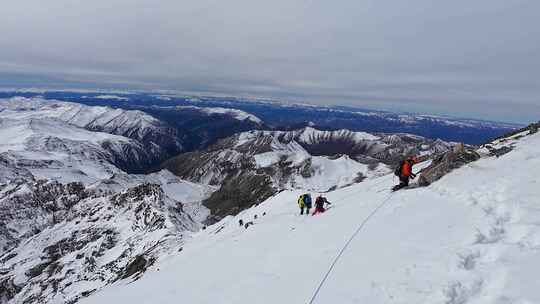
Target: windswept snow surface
pixel 471 237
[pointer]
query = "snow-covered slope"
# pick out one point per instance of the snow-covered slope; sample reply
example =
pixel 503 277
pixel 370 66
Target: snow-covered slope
pixel 160 139
pixel 471 237
pixel 234 113
pixel 71 219
pixel 60 241
pixel 46 140
pixel 54 149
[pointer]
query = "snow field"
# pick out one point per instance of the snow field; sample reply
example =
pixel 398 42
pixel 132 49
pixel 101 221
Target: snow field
pixel 472 237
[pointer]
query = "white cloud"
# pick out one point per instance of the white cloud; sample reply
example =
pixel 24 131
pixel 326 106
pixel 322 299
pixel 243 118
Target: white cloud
pixel 417 54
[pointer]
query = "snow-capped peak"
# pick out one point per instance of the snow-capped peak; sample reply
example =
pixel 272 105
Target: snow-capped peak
pixel 234 113
pixel 158 138
pixel 312 135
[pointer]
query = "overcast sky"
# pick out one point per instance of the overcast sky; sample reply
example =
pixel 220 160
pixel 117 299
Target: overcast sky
pixel 472 58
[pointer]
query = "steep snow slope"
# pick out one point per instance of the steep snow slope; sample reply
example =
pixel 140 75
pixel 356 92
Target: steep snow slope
pixel 471 237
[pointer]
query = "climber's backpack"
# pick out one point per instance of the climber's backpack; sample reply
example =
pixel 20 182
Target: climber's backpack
pixel 307 199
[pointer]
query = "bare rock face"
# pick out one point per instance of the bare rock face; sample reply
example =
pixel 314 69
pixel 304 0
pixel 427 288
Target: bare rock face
pixel 8 289
pixel 237 194
pixel 517 133
pixel 498 152
pixel 505 143
pixel 28 208
pixel 136 267
pixel 461 154
pixel 447 162
pixel 83 241
pixel 533 128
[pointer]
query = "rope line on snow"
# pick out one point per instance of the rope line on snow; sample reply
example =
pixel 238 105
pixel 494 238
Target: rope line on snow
pixel 362 224
pixel 336 259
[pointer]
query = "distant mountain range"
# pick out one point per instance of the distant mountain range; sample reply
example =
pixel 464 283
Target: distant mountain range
pixel 189 114
pixel 77 215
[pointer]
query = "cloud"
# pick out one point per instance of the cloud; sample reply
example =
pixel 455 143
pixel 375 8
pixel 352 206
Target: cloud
pixel 422 55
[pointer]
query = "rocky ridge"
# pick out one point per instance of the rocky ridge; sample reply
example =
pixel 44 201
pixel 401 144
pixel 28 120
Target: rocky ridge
pixel 67 241
pixel 251 166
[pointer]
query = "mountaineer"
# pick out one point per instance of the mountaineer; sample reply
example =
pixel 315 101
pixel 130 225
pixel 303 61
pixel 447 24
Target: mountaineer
pixel 404 172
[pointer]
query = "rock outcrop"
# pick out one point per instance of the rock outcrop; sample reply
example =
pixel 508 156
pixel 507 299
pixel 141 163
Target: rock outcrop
pixel 84 241
pixel 447 162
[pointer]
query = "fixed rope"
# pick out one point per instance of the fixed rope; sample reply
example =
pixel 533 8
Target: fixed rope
pixel 362 224
pixel 336 259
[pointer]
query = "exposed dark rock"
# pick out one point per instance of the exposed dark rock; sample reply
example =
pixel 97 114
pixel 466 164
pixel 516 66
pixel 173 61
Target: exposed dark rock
pixel 54 268
pixel 137 266
pixel 131 158
pixel 145 206
pixel 237 194
pixel 86 293
pixel 533 128
pixel 447 162
pixel 90 263
pixel 198 129
pixel 48 201
pixel 498 152
pixel 8 289
pixel 134 195
pixel 8 257
pixel 359 177
pixel 306 170
pixel 37 270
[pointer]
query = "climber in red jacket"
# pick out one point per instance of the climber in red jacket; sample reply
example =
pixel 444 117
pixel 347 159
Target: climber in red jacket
pixel 404 172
